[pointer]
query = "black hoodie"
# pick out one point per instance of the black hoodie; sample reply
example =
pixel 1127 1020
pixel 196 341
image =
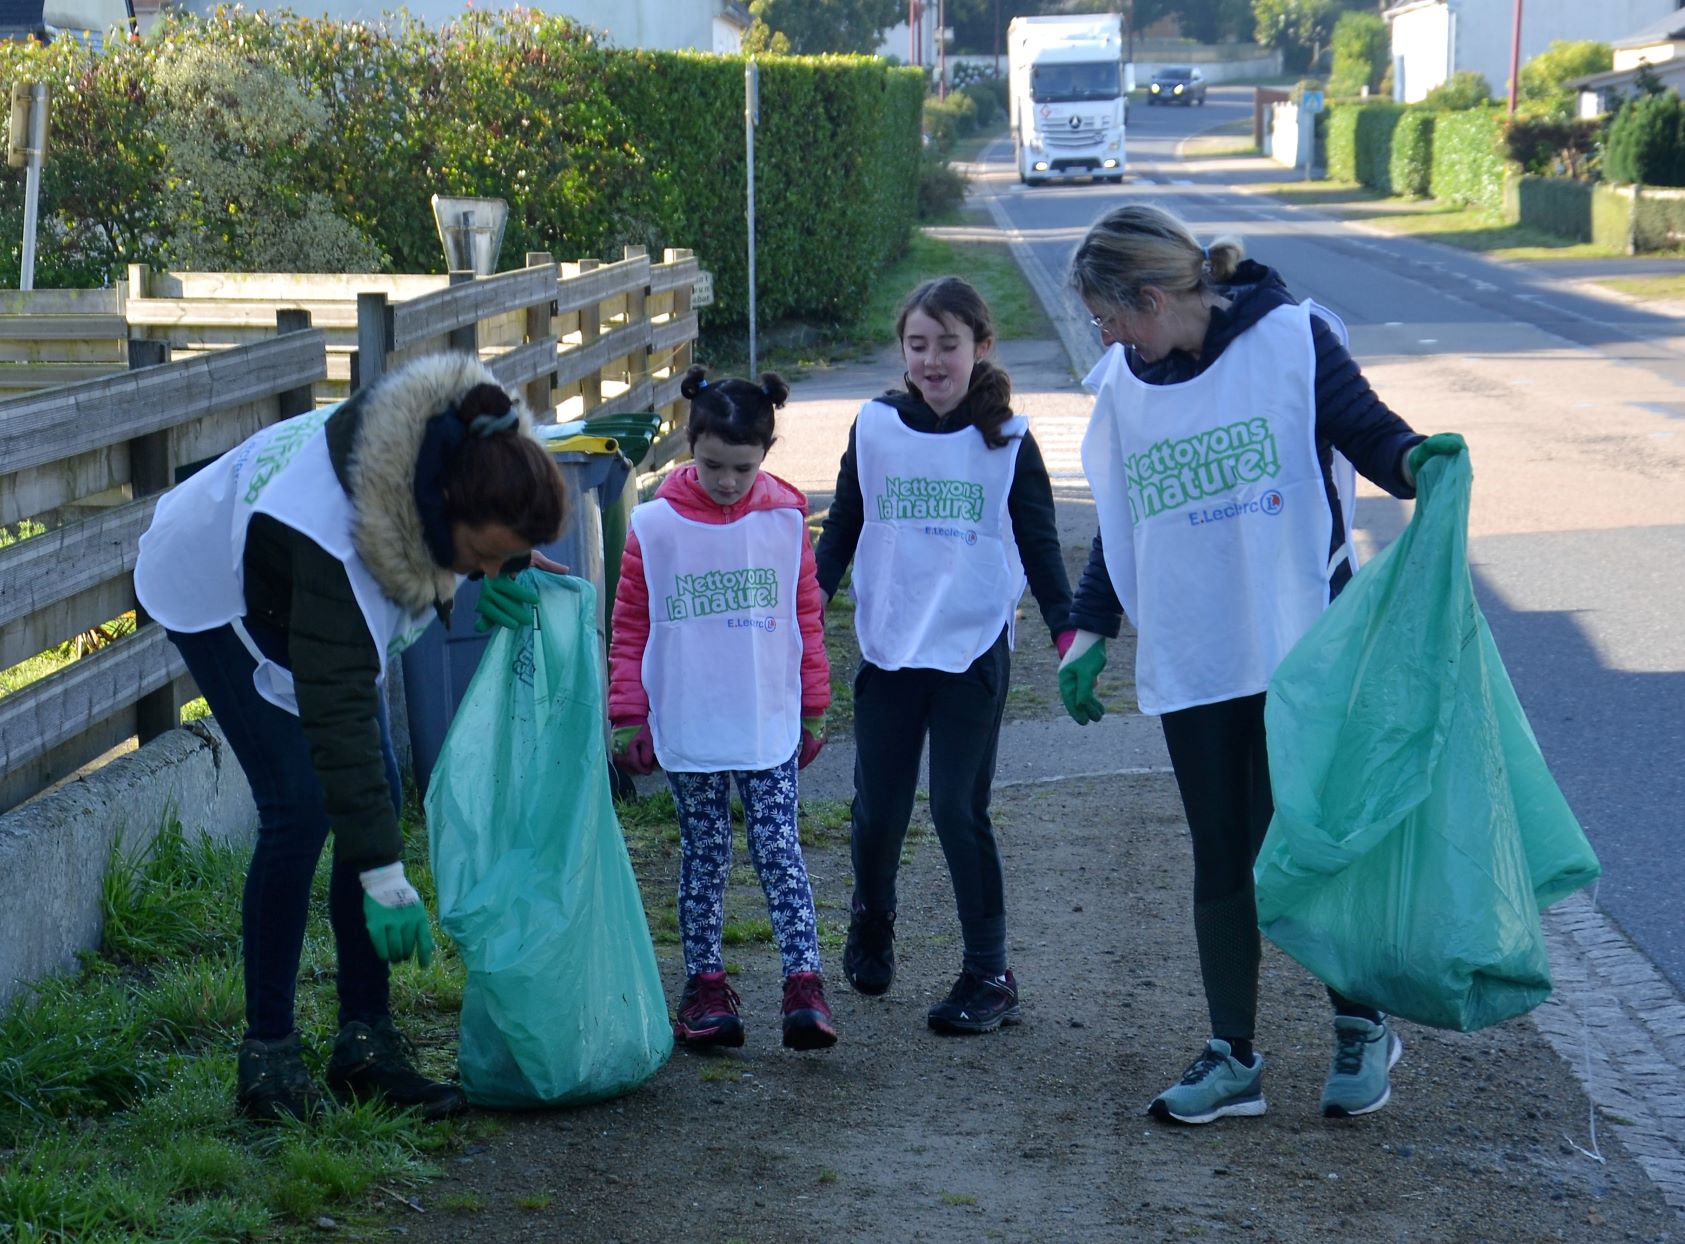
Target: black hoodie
pixel 1349 417
pixel 1029 504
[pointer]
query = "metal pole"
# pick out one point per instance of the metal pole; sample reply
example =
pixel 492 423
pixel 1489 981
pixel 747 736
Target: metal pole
pixel 1514 57
pixel 751 114
pixel 32 180
pixel 997 38
pixel 941 54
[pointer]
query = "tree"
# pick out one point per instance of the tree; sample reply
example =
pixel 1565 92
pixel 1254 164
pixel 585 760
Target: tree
pixel 1544 90
pixel 762 40
pixel 1362 50
pixel 818 26
pixel 1300 28
pixel 1647 142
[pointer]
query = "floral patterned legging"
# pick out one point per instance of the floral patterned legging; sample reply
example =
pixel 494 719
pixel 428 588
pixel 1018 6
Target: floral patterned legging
pixel 769 813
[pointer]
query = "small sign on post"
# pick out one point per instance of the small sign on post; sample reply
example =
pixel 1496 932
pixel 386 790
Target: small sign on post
pixel 702 290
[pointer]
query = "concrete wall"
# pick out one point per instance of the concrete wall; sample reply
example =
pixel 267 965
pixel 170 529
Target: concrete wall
pixel 54 851
pixel 1286 141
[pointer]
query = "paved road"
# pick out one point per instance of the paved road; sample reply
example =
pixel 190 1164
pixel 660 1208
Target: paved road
pixel 1573 406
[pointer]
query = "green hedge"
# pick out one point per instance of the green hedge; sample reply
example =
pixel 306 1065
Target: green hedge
pixel 1611 218
pixel 836 171
pixel 1466 165
pixel 1360 142
pixel 1658 220
pixel 1411 167
pixel 1557 205
pixel 592 147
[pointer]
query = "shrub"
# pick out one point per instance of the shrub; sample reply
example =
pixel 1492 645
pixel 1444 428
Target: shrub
pixel 947 121
pixel 1551 146
pixel 941 187
pixel 1463 90
pixel 1362 52
pixel 1411 167
pixel 1375 126
pixel 1647 142
pixel 984 101
pixel 970 73
pixel 1467 167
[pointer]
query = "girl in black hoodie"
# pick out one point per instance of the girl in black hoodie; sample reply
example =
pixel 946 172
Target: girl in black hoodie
pixel 945 509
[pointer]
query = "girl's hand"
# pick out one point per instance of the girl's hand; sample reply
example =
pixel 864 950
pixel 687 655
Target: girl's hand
pixel 813 740
pixel 634 747
pixel 541 562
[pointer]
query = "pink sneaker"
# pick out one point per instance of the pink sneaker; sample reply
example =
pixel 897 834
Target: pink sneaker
pixel 807 1016
pixel 708 1012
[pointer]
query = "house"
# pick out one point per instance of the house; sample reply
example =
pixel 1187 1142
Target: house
pixel 1661 46
pixel 1432 39
pixel 668 25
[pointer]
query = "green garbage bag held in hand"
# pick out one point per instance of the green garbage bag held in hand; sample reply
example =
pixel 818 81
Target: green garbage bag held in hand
pixel 1417 831
pixel 564 1001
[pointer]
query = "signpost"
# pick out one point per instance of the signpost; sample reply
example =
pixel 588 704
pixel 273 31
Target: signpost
pixel 1310 103
pixel 751 118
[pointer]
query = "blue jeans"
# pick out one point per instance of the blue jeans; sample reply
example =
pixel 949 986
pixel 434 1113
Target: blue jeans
pixel 271 747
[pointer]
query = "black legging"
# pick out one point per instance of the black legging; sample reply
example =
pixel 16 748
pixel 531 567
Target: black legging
pixel 1222 768
pixel 894 711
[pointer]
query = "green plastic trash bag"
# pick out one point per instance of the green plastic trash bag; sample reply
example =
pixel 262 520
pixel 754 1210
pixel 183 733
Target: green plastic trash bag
pixel 1417 831
pixel 563 1001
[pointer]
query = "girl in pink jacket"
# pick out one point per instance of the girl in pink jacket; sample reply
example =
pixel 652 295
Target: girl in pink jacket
pixel 717 671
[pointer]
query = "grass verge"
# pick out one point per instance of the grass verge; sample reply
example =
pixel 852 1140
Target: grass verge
pixel 117 1084
pixel 1471 229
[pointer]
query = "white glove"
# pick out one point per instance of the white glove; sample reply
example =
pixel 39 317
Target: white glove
pixel 387 886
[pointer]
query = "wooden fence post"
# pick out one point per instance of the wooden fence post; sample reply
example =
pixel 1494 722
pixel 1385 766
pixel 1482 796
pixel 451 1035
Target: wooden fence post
pixel 590 327
pixel 294 401
pixel 375 338
pixel 637 311
pixel 152 470
pixel 467 338
pixel 539 319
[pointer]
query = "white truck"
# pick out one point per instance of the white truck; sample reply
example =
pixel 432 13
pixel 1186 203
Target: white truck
pixel 1069 89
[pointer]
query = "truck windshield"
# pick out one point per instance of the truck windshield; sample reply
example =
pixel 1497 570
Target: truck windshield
pixel 1051 83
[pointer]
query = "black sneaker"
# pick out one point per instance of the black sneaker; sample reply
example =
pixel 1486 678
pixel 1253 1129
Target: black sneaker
pixel 375 1062
pixel 977 1004
pixel 274 1082
pixel 869 957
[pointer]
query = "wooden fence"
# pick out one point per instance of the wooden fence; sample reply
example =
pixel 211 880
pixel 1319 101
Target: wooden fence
pixel 88 460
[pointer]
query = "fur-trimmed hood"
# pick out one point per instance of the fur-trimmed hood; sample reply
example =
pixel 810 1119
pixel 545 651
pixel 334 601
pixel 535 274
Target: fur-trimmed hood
pixel 375 447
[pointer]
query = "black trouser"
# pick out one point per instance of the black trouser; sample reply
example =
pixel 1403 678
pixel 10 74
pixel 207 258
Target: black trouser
pixel 893 712
pixel 1222 768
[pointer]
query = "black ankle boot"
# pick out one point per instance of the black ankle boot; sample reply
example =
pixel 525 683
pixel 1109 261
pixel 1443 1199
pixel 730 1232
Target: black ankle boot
pixel 374 1062
pixel 274 1082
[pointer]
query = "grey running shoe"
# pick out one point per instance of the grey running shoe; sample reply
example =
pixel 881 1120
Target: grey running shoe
pixel 1363 1054
pixel 1215 1084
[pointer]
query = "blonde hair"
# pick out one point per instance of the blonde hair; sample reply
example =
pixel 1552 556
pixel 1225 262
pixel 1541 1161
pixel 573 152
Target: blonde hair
pixel 1139 245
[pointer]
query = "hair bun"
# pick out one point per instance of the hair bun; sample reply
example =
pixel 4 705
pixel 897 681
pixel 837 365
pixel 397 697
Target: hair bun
pixel 483 399
pixel 694 382
pixel 774 386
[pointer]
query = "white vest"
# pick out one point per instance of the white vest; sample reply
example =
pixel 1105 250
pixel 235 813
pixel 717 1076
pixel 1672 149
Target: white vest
pixel 723 666
pixel 190 573
pixel 1213 512
pixel 937 573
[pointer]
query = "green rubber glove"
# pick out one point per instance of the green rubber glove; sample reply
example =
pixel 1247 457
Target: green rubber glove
pixel 504 601
pixel 1078 674
pixel 1447 443
pixel 396 916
